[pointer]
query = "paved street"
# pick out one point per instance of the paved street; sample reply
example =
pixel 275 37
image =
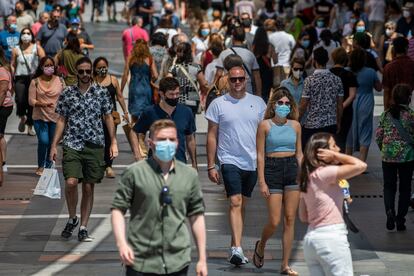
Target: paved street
pixel 30 226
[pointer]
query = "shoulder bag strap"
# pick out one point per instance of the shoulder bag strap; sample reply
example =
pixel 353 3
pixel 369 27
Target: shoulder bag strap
pixel 132 36
pixel 187 75
pixel 401 130
pixel 244 65
pixel 25 62
pixel 49 37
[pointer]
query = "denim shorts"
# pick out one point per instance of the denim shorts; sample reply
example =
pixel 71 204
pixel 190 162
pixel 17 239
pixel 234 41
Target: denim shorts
pixel 281 173
pixel 238 181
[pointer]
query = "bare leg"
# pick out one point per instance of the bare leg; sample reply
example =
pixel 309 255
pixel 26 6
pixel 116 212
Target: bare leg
pixel 236 219
pixel 86 202
pixel 349 150
pixel 71 193
pixel 274 208
pixel 3 148
pixel 363 151
pixel 290 203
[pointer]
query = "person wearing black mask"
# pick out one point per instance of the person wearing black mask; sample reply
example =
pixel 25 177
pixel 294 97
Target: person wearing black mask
pixel 52 34
pixel 250 30
pixel 169 108
pixel 110 82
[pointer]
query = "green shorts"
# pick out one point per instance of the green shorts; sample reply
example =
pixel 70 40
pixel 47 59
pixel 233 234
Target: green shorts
pixel 87 165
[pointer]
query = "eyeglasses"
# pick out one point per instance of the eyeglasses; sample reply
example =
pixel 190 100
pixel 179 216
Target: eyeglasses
pixel 165 196
pixel 26 33
pixel 235 79
pixel 297 69
pixel 83 72
pixel 283 103
pixel 56 17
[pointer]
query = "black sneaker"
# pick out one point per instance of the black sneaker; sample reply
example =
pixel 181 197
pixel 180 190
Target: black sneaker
pixel 412 202
pixel 70 226
pixel 83 235
pixel 390 220
pixel 401 224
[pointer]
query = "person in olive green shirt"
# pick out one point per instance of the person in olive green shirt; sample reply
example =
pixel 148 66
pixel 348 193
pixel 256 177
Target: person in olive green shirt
pixel 160 193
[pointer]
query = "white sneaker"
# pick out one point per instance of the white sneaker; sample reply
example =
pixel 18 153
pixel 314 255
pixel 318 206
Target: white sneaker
pixel 5 168
pixel 236 256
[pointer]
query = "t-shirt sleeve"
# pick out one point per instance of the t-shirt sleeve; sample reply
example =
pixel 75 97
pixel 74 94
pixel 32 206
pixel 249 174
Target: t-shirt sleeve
pixel 212 113
pixel 61 106
pixel 143 123
pixel 340 87
pixel 255 64
pixel 262 109
pixel 39 36
pixel 328 174
pixel 195 204
pixel 124 193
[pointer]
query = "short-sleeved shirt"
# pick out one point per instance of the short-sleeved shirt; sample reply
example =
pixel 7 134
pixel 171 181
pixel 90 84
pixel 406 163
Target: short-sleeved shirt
pixel 283 43
pixel 158 233
pixel 188 91
pixel 83 114
pixel 237 121
pixel 324 197
pixel 322 90
pixel 182 117
pixel 84 37
pixel 249 61
pixel 348 80
pixel 52 39
pixel 147 4
pixel 130 35
pixel 8 41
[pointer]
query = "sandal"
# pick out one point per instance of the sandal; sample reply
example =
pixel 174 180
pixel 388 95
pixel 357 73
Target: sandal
pixel 257 259
pixel 288 271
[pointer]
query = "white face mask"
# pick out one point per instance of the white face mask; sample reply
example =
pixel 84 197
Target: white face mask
pixel 297 74
pixel 389 32
pixel 26 38
pixel 406 14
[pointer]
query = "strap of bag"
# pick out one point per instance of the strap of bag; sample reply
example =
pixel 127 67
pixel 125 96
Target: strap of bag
pixel 187 75
pixel 401 130
pixel 244 65
pixel 25 62
pixel 49 37
pixel 132 36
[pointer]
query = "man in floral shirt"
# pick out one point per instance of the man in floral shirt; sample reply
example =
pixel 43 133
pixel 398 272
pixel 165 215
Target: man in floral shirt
pixel 81 108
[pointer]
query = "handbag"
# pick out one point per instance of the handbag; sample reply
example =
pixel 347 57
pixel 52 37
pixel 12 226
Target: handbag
pixel 116 117
pixel 61 69
pixel 49 184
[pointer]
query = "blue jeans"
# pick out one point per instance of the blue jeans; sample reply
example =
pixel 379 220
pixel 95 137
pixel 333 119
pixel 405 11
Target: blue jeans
pixel 44 131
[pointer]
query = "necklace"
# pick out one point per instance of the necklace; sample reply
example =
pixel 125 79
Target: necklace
pixel 279 123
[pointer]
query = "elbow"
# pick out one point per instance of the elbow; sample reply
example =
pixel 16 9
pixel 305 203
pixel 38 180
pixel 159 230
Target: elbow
pixel 362 167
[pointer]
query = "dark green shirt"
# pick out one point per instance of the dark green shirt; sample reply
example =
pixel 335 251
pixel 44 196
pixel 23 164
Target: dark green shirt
pixel 159 234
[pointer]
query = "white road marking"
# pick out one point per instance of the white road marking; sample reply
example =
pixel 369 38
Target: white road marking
pixel 202 165
pixel 96 216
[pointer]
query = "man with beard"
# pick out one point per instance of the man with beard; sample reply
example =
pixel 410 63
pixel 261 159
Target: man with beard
pixel 52 34
pixel 81 108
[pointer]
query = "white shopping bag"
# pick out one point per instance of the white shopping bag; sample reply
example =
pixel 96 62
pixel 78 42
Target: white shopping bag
pixel 49 184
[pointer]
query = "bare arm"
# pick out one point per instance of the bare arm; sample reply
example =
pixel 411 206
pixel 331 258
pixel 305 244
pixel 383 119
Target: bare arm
pixel 339 111
pixel 125 76
pixel 40 52
pixel 120 97
pixel 257 82
pixel 134 139
pixel 349 165
pixel 303 106
pixel 118 226
pixel 260 149
pixel 13 61
pixel 4 87
pixel 198 228
pixel 219 73
pixel 351 97
pixel 191 148
pixel 60 127
pixel 211 151
pixel 202 82
pixel 303 212
pixel 299 152
pixel 109 122
pixel 378 85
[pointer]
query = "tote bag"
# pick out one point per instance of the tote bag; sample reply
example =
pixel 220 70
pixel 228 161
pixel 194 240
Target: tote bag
pixel 49 184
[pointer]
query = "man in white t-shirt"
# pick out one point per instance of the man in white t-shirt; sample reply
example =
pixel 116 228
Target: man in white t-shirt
pixel 232 124
pixel 283 43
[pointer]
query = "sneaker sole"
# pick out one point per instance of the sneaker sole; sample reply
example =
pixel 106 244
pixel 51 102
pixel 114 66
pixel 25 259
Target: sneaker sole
pixel 66 236
pixel 236 260
pixel 87 239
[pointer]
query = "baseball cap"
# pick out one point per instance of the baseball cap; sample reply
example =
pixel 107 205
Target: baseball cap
pixel 74 21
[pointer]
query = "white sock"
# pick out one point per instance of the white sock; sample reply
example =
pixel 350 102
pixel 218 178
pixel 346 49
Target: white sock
pixel 82 227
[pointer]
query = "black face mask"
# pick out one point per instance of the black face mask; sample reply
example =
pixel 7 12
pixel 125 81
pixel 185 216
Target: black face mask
pixel 246 23
pixel 171 102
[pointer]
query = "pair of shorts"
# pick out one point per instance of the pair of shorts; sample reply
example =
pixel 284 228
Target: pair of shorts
pixel 87 165
pixel 238 181
pixel 281 173
pixel 4 115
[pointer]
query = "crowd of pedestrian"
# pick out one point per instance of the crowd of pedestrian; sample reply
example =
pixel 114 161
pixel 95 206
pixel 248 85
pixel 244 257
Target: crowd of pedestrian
pixel 287 90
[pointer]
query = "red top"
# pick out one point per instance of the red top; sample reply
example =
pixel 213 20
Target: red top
pixel 129 36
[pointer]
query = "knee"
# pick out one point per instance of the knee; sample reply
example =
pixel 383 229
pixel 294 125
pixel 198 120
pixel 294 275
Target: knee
pixel 289 220
pixel 274 222
pixel 87 189
pixel 236 202
pixel 71 183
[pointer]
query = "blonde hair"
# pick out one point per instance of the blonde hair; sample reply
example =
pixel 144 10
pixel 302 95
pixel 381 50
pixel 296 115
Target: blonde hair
pixel 139 53
pixel 276 95
pixel 161 124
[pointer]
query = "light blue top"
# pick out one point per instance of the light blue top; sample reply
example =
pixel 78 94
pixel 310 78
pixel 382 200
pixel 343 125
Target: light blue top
pixel 237 121
pixel 295 91
pixel 281 138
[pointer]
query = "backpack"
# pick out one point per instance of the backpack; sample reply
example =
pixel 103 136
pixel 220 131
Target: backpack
pixel 219 88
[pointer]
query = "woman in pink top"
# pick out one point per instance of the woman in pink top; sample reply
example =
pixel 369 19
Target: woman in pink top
pixel 44 92
pixel 325 244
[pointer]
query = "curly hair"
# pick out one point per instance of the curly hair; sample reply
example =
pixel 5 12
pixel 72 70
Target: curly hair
pixel 140 52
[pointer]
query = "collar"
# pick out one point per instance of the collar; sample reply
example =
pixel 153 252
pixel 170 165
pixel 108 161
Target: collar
pixel 318 71
pixel 291 80
pixel 157 168
pixel 165 113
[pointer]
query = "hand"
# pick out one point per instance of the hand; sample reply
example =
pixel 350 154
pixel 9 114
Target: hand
pixel 126 254
pixel 126 117
pixel 214 176
pixel 49 105
pixel 53 153
pixel 114 150
pixel 138 158
pixel 194 165
pixel 328 156
pixel 264 190
pixel 201 268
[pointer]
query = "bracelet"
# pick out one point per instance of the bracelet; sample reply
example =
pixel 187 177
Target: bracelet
pixel 211 168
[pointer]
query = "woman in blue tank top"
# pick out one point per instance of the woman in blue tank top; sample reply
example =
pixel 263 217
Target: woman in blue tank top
pixel 279 152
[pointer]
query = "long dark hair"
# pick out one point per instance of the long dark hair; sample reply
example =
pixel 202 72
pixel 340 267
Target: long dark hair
pixel 95 63
pixel 73 43
pixel 187 56
pixel 260 43
pixel 401 96
pixel 39 69
pixel 357 60
pixel 21 33
pixel 310 157
pixel 3 61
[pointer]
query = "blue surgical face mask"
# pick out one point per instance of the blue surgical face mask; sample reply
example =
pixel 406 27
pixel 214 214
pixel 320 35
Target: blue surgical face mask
pixel 205 32
pixel 13 27
pixel 282 110
pixel 165 150
pixel 306 43
pixel 360 29
pixel 320 24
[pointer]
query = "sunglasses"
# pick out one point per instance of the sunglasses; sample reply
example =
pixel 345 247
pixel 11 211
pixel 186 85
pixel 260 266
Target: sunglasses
pixel 165 196
pixel 283 103
pixel 26 33
pixel 297 69
pixel 83 72
pixel 235 79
